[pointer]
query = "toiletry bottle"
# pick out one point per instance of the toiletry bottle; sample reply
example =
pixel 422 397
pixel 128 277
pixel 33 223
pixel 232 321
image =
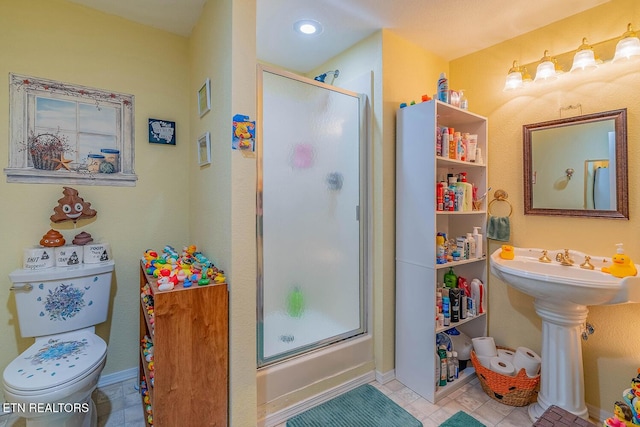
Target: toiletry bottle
pixel 450 368
pixel 450 279
pixel 457 141
pixel 472 246
pixel 440 196
pixel 443 88
pixel 452 146
pixel 459 198
pixel 465 147
pixel 454 298
pixel 442 354
pixel 444 141
pixel 463 307
pixel 446 311
pixel 440 253
pixel 452 199
pixel 472 145
pixel 438 141
pixel 478 237
pixel 456 364
pixel 464 103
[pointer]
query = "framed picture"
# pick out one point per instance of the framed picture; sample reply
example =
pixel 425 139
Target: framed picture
pixel 204 98
pixel 59 130
pixel 204 149
pixel 162 132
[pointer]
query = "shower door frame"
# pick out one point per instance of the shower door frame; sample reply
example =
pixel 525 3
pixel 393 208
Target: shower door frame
pixel 362 214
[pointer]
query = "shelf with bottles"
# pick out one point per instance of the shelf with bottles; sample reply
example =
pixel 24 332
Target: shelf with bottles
pixel 460 262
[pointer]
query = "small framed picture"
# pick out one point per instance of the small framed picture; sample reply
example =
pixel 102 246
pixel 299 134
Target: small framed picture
pixel 204 98
pixel 204 149
pixel 162 132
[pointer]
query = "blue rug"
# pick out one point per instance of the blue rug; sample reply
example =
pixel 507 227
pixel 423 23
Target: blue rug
pixel 462 419
pixel 364 406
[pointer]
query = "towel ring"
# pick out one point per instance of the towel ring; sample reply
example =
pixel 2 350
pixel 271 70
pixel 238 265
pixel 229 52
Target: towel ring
pixel 500 196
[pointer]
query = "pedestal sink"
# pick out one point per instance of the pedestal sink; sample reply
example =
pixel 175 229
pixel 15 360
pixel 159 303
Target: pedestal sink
pixel 562 294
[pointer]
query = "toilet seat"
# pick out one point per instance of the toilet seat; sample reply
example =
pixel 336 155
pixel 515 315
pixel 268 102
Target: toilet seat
pixel 54 361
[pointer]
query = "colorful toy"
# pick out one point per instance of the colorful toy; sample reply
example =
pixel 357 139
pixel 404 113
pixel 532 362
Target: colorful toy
pixel 622 265
pixel 507 252
pixel 71 207
pixel 622 416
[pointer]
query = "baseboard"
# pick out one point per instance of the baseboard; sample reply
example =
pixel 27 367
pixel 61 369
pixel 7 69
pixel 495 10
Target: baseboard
pixel 598 414
pixel 384 378
pixel 298 408
pixel 117 377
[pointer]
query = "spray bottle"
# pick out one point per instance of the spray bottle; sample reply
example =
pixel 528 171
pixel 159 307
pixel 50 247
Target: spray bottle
pixel 443 88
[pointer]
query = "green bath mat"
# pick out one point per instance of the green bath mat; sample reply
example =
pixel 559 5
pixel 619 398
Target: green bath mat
pixel 462 419
pixel 364 406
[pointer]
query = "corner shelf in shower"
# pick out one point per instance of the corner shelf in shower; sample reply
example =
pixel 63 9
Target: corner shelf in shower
pixel 190 337
pixel 418 169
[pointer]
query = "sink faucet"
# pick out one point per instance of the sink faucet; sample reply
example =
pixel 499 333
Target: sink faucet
pixel 564 259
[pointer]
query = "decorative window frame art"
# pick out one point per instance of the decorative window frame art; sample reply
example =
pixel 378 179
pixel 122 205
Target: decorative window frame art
pixel 62 133
pixel 204 149
pixel 204 98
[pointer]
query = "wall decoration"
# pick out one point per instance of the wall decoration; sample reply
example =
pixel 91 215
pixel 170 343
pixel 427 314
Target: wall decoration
pixel 244 133
pixel 204 149
pixel 72 207
pixel 57 129
pixel 204 98
pixel 162 132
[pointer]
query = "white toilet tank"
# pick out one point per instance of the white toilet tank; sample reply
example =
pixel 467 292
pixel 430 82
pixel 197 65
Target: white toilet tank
pixel 61 299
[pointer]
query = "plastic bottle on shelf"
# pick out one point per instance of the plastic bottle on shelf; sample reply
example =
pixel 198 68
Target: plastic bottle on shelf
pixel 478 238
pixel 446 314
pixel 442 354
pixel 456 364
pixel 471 241
pixel 464 103
pixel 440 196
pixel 443 88
pixel 450 279
pixel 450 368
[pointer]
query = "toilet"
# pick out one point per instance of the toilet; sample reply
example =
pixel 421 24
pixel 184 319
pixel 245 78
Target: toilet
pixel 51 382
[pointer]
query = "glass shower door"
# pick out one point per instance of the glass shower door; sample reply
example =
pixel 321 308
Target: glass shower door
pixel 310 223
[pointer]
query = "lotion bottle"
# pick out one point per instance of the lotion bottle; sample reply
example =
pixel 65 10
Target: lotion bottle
pixel 472 246
pixel 478 238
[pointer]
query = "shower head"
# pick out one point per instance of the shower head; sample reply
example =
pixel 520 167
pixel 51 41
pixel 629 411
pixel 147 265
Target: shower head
pixel 321 77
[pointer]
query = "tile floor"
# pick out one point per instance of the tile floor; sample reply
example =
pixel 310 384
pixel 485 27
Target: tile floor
pixel 119 405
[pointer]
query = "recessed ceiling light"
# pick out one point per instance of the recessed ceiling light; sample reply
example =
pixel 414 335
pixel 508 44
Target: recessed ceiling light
pixel 308 27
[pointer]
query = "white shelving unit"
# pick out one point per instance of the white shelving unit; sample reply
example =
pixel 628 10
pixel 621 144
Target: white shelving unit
pixel 418 170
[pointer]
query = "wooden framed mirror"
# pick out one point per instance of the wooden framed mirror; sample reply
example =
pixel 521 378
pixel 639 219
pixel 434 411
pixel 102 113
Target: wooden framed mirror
pixel 577 166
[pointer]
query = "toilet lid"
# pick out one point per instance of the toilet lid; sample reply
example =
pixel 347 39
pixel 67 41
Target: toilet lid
pixel 55 360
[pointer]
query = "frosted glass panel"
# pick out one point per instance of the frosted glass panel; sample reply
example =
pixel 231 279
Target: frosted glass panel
pixel 311 286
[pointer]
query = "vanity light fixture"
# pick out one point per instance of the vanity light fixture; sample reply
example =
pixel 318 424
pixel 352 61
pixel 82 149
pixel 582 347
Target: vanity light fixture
pixel 585 58
pixel 308 27
pixel 628 47
pixel 547 70
pixel 514 77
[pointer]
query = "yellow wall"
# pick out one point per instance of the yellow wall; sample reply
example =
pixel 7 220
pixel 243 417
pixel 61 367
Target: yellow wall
pixel 58 40
pixel 612 354
pixel 222 195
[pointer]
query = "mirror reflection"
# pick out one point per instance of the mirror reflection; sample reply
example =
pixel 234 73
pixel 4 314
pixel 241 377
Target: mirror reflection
pixel 577 166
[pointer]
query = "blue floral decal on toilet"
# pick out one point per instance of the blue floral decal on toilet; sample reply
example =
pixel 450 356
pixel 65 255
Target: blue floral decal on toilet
pixel 64 302
pixel 58 350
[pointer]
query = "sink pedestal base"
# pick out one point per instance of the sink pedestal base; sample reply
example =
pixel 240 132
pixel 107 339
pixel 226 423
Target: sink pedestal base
pixel 562 374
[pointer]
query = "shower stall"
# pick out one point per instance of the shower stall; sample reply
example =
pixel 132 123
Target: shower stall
pixel 311 215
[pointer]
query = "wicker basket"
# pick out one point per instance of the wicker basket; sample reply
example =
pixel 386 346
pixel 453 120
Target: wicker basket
pixel 513 391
